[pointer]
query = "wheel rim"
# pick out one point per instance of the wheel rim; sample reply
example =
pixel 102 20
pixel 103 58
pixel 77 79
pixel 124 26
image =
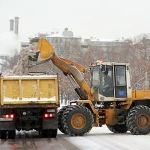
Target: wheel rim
pixel 143 120
pixel 78 121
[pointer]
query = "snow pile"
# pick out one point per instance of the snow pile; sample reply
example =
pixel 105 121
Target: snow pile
pixel 22 66
pixel 7 72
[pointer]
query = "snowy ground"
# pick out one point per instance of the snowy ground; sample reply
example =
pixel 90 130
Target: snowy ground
pixel 103 139
pixel 97 139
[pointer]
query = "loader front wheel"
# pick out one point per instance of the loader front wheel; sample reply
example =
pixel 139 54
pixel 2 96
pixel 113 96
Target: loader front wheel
pixel 118 128
pixel 77 120
pixel 138 120
pixel 60 114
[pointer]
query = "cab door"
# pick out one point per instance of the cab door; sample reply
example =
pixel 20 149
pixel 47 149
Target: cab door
pixel 120 81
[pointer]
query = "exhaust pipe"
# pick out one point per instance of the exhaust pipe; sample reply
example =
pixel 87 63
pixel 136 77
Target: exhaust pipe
pixel 11 24
pixel 16 25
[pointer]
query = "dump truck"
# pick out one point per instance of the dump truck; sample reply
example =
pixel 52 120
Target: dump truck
pixel 28 103
pixel 109 100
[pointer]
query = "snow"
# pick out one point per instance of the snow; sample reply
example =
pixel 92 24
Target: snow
pixel 55 35
pixel 103 40
pixel 30 77
pixel 100 138
pixel 7 99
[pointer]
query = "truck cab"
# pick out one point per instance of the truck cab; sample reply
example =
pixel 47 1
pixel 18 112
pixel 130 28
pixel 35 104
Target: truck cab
pixel 110 81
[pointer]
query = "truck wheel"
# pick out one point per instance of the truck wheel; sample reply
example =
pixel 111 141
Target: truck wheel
pixel 52 133
pixel 11 134
pixel 138 120
pixel 60 122
pixel 44 133
pixel 118 128
pixel 77 120
pixel 3 134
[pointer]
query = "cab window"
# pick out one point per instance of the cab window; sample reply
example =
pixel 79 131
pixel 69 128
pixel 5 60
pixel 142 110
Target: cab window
pixel 120 76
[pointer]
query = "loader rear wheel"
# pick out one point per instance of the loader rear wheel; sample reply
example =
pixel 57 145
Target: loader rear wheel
pixel 60 122
pixel 77 120
pixel 118 128
pixel 138 120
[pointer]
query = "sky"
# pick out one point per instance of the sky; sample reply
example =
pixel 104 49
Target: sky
pixel 102 19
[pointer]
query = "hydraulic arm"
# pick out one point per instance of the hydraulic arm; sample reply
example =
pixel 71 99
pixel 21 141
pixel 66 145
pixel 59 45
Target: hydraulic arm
pixel 69 68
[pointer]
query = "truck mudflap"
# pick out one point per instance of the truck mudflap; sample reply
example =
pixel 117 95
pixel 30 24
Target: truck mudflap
pixel 6 124
pixel 50 123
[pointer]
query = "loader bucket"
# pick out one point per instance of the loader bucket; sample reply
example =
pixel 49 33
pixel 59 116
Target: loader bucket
pixel 45 48
pixel 44 53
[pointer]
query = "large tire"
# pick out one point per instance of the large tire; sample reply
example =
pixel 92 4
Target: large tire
pixel 60 122
pixel 118 128
pixel 52 133
pixel 11 134
pixel 60 114
pixel 77 120
pixel 138 120
pixel 44 133
pixel 3 134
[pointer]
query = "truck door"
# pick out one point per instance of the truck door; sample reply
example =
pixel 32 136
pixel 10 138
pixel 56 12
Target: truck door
pixel 120 82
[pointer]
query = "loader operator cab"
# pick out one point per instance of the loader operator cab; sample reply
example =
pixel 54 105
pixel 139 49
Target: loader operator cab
pixel 110 79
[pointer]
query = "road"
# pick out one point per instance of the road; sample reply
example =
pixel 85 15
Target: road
pixel 97 139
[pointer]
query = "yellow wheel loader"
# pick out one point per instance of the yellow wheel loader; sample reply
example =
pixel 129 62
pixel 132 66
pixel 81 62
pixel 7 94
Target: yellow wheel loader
pixel 109 100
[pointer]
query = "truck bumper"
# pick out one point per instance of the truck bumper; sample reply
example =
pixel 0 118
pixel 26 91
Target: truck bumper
pixel 7 125
pixel 50 123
